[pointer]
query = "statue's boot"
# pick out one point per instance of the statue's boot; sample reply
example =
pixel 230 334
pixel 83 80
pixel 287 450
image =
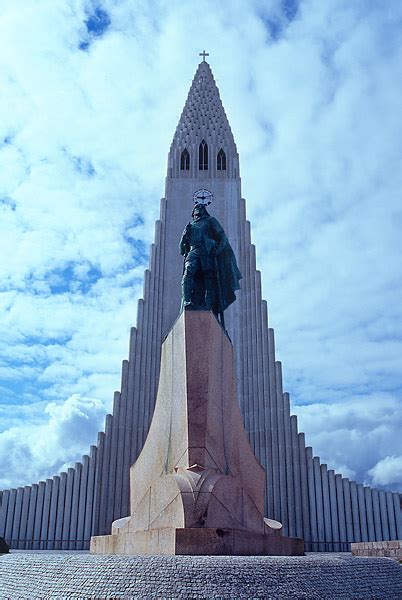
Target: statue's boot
pixel 186 290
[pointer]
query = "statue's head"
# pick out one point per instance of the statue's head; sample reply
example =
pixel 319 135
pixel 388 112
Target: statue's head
pixel 199 212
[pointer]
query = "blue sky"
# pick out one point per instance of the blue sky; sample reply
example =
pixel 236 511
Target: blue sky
pixel 91 95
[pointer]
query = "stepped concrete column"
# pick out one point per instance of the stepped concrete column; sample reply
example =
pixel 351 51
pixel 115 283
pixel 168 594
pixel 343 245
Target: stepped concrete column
pixel 31 517
pixel 369 514
pixel 124 423
pixel 38 515
pixel 391 516
pixel 105 474
pixel 267 416
pixel 334 511
pixel 311 499
pixel 357 535
pixel 306 531
pixel 296 477
pixel 17 519
pixel 348 510
pixel 114 479
pixel 82 503
pixel 24 516
pixel 328 537
pixel 90 496
pixel 3 511
pixel 197 487
pixel 98 482
pixel 319 503
pixel 67 508
pixel 282 446
pixel 60 511
pixel 53 513
pixel 377 514
pixel 397 508
pixel 384 516
pixel 74 506
pixel 341 511
pixel 362 512
pixel 274 425
pixel 289 467
pixel 10 515
pixel 45 514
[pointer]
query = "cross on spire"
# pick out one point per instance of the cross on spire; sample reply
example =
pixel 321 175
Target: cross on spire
pixel 203 54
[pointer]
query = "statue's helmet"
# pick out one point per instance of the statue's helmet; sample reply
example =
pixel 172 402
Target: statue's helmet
pixel 200 208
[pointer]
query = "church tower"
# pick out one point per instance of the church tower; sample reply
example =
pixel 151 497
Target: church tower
pixel 203 156
pixel 312 502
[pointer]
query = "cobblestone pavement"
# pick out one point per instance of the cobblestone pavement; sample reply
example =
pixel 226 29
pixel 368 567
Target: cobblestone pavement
pixel 85 576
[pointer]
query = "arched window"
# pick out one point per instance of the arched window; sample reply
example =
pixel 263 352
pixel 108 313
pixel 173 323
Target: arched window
pixel 203 156
pixel 221 161
pixel 185 160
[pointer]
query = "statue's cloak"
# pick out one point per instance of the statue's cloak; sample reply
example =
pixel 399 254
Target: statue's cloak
pixel 229 277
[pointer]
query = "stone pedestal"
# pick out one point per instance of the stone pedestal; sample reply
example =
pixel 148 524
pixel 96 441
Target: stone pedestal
pixel 196 487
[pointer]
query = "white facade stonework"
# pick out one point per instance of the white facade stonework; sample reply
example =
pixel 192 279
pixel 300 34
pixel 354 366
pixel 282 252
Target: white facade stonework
pixel 308 498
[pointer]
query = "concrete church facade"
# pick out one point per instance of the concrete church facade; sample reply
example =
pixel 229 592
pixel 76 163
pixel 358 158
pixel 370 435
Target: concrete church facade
pixel 310 499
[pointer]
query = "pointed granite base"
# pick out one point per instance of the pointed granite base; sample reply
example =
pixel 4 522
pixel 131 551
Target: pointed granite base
pixel 197 487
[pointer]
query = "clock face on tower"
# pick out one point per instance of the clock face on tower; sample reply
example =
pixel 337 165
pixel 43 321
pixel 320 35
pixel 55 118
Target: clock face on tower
pixel 204 197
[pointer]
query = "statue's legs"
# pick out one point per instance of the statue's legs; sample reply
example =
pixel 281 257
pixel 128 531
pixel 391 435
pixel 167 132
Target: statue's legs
pixel 211 295
pixel 192 265
pixel 199 282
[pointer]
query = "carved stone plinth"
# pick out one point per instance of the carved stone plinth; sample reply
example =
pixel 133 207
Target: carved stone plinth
pixel 196 487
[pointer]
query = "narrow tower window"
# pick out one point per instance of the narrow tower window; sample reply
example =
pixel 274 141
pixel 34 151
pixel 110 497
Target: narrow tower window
pixel 203 156
pixel 185 160
pixel 221 161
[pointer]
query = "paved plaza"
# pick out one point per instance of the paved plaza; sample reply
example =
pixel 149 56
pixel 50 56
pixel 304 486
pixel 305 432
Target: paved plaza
pixel 31 575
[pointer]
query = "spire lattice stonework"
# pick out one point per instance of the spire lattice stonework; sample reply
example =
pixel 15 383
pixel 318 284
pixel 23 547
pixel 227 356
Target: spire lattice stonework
pixel 203 116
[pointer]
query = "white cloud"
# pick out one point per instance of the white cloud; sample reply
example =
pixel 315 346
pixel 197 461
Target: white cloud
pixel 312 94
pixel 353 435
pixel 29 452
pixel 388 471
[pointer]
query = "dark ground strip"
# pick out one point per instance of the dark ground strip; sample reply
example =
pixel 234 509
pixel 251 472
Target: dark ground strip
pixel 43 575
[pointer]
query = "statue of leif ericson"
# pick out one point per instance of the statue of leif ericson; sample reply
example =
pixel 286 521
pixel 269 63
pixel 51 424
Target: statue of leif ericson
pixel 210 275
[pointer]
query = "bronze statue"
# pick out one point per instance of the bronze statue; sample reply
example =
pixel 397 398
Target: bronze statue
pixel 210 275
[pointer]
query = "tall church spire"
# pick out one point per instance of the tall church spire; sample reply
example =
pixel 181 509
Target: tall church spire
pixel 203 145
